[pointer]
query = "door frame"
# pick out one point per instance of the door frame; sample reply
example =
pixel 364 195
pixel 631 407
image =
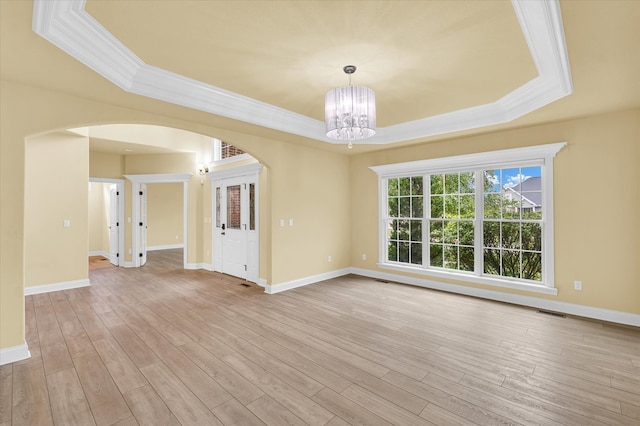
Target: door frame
pixel 136 180
pixel 249 171
pixel 120 188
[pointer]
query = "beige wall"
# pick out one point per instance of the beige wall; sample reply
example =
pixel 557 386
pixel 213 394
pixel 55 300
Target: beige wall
pixel 56 189
pixel 106 165
pixel 596 200
pixel 165 214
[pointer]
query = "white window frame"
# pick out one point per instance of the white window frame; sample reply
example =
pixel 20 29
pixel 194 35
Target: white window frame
pixel 538 155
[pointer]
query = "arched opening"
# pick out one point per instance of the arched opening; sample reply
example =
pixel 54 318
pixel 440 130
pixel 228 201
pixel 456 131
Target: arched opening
pixel 128 157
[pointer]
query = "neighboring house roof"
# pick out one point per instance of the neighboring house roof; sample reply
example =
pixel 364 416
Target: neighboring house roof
pixel 529 189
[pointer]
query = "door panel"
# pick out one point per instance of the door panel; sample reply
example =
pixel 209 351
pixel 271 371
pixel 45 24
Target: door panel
pixel 143 224
pixel 114 232
pixel 234 238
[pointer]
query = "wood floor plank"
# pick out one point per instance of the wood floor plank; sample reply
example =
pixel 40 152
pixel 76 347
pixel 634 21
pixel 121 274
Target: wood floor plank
pixel 123 371
pixel 6 393
pixel 353 413
pixel 383 408
pixel 233 412
pixel 439 416
pixel 242 389
pixel 148 408
pixel 136 349
pixel 30 399
pixel 105 400
pixel 294 401
pixel 187 408
pixel 68 402
pixel 273 413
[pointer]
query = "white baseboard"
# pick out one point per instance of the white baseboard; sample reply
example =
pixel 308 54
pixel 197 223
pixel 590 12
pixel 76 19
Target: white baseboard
pixel 165 247
pixel 205 266
pixel 277 288
pixel 99 253
pixel 128 265
pixel 47 288
pixel 14 353
pixel 516 299
pixel 262 282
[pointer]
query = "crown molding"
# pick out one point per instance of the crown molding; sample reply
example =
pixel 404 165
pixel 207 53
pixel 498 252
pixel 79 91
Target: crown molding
pixel 67 25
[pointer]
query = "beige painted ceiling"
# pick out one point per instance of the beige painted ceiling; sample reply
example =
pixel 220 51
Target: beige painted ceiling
pixel 421 57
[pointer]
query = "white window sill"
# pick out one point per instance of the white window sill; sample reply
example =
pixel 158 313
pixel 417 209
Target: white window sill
pixel 467 277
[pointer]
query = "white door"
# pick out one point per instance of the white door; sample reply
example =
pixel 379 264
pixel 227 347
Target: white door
pixel 235 232
pixel 114 224
pixel 142 225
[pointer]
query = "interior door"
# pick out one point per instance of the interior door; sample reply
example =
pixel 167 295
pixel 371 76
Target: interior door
pixel 114 231
pixel 234 228
pixel 143 224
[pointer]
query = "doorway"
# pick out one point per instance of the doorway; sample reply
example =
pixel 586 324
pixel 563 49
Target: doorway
pixel 109 218
pixel 235 199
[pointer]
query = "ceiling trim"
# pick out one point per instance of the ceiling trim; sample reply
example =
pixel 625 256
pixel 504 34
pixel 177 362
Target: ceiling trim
pixel 67 25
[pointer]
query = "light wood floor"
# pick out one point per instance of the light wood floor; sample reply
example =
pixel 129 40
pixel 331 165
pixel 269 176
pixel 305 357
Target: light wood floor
pixel 160 345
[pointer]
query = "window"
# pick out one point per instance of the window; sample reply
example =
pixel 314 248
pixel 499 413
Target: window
pixel 224 152
pixel 484 218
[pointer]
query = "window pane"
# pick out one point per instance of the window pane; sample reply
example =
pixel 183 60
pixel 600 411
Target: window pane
pixel 416 253
pixel 491 233
pixel 393 229
pixel 252 206
pixel 392 187
pixel 451 232
pixel 531 236
pixel 511 235
pixel 233 207
pixel 465 230
pixel 451 184
pixel 392 251
pixel 416 207
pixel 510 177
pixel 532 205
pixel 416 185
pixel 451 206
pixel 437 207
pixel 436 231
pixel 492 181
pixel 403 230
pixel 511 263
pixel 437 184
pixel 467 183
pixel 435 255
pixel 467 261
pixel 491 261
pixel 393 207
pixel 416 230
pixel 467 206
pixel 405 186
pixel 218 200
pixel 451 257
pixel 511 206
pixel 492 206
pixel 405 207
pixel 403 252
pixel 532 266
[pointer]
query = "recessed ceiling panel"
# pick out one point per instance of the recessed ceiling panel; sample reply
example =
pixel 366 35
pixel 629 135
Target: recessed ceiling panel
pixel 422 58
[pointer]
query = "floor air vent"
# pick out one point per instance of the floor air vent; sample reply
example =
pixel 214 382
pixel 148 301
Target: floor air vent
pixel 245 285
pixel 554 314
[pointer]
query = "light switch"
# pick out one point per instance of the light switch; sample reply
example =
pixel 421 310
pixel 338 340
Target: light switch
pixel 281 222
pixel 290 222
pixel 66 223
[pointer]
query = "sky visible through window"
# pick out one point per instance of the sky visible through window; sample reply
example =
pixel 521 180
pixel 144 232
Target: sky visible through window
pixel 507 178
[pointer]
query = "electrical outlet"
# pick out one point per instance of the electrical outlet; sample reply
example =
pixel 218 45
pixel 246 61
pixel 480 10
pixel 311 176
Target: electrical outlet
pixel 364 256
pixel 329 259
pixel 577 285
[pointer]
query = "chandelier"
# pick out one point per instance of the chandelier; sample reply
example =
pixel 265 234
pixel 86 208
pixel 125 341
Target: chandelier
pixel 350 111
